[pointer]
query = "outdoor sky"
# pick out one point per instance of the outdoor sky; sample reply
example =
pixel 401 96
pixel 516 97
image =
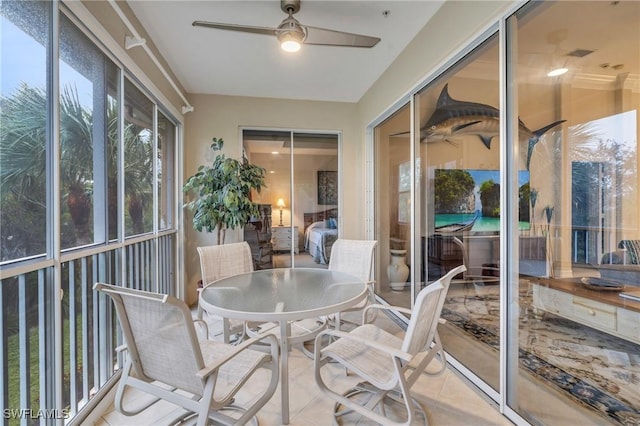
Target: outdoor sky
pixel 23 59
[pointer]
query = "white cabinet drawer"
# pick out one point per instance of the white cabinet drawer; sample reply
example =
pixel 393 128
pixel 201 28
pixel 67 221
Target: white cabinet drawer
pixel 553 301
pixel 283 238
pixel 629 324
pixel 596 313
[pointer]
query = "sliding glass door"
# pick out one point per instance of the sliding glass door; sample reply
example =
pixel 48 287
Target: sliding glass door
pixel 520 161
pixel 393 194
pixel 458 132
pixel 574 357
pixel 300 198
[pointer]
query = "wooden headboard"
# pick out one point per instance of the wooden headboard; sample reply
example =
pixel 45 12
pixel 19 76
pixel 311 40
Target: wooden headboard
pixel 309 218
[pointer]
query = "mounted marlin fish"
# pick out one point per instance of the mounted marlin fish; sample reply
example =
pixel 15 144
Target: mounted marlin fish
pixel 457 118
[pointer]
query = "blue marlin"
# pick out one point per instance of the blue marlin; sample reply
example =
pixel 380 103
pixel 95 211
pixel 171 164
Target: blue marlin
pixel 453 118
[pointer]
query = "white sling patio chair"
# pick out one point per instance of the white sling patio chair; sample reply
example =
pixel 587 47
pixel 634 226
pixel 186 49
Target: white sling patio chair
pixel 223 261
pixel 354 257
pixel 165 359
pixel 388 365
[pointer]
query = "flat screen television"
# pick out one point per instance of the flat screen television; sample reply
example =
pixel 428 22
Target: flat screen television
pixel 462 194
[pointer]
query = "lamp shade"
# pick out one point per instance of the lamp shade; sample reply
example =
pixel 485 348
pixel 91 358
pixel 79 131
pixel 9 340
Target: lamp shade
pixel 280 203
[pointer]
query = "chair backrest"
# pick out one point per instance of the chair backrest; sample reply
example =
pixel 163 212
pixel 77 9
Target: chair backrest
pixel 224 260
pixel 633 249
pixel 160 337
pixel 426 313
pixel 353 257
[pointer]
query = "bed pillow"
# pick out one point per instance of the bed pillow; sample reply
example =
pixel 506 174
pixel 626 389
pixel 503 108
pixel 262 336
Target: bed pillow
pixel 330 223
pixel 316 224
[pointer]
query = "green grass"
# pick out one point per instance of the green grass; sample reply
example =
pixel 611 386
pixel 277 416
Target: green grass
pixel 34 363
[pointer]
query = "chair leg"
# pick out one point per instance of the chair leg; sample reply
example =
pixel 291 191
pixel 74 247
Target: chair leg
pixel 225 330
pixel 206 401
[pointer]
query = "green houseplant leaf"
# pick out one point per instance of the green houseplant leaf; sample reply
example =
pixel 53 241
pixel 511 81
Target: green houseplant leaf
pixel 223 192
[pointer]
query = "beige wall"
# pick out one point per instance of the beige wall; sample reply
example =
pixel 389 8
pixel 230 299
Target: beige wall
pixel 223 116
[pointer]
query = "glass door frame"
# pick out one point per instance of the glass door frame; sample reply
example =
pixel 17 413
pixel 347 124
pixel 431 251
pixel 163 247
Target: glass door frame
pixel 509 238
pixel 292 134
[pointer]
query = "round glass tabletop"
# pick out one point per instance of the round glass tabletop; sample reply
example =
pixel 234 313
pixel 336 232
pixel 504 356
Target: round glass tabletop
pixel 282 294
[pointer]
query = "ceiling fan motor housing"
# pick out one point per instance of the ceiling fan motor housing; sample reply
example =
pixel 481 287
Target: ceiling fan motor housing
pixel 290 6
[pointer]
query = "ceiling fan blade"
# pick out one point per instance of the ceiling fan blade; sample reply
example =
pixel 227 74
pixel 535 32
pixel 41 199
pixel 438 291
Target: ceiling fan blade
pixel 233 27
pixel 323 36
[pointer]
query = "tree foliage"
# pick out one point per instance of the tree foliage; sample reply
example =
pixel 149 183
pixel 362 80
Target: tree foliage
pixel 23 171
pixel 224 193
pixel 452 189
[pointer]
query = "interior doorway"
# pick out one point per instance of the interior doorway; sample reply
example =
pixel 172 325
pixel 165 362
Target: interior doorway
pixel 301 193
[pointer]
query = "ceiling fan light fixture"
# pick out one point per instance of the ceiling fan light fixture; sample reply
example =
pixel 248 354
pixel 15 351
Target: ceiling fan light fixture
pixel 290 41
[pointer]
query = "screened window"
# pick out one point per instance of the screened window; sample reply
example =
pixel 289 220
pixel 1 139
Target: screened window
pixel 138 164
pixel 87 115
pixel 24 37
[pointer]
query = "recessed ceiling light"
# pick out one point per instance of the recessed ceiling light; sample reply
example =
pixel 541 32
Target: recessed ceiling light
pixel 275 152
pixel 271 171
pixel 557 72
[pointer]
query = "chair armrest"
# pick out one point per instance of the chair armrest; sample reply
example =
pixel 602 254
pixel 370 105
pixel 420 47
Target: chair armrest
pixel 211 368
pixel 381 308
pixel 370 343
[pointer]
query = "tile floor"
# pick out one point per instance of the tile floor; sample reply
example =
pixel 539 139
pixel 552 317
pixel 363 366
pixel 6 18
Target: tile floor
pixel 448 399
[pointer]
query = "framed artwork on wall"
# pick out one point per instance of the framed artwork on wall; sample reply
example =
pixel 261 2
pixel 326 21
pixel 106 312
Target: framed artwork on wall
pixel 327 188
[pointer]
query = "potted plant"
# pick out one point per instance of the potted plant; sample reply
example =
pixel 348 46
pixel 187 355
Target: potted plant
pixel 224 193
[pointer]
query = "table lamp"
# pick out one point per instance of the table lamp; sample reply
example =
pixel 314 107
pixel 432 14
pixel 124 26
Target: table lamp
pixel 280 204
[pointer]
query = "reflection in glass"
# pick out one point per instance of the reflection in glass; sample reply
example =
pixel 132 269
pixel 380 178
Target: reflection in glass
pixel 298 204
pixel 576 353
pixel 461 205
pixel 392 147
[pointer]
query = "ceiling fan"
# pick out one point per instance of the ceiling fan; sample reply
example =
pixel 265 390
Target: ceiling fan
pixel 291 33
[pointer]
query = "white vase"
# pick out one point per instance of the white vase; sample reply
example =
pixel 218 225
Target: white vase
pixel 397 271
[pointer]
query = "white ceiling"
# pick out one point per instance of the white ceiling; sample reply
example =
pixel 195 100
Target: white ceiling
pixel 210 61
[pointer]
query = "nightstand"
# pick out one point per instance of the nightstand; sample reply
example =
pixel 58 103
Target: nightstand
pixel 281 238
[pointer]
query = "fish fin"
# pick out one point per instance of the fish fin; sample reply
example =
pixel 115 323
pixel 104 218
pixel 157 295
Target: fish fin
pixel 462 126
pixel 452 142
pixel 541 131
pixel 486 140
pixel 535 138
pixel 444 100
pixel 444 97
pixel 532 143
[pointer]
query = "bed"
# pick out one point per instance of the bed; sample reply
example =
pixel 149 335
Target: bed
pixel 320 232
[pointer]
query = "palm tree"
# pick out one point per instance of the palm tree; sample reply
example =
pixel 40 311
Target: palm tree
pixel 23 172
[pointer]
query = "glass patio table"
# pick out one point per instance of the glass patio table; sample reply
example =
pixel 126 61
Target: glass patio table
pixel 282 295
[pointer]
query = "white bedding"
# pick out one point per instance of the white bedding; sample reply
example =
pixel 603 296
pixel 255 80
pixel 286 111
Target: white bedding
pixel 315 241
